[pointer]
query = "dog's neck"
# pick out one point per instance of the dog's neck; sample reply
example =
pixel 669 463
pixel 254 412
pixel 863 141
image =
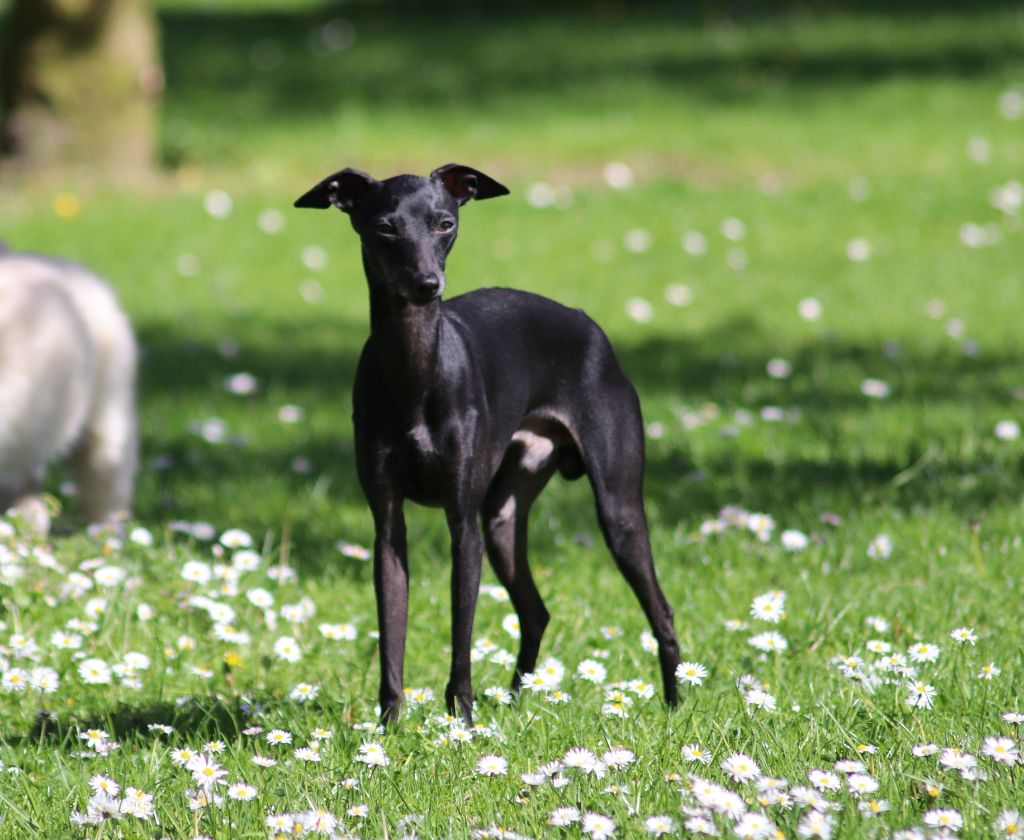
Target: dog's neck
pixel 408 340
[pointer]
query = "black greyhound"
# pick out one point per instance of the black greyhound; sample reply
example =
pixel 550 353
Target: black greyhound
pixel 471 405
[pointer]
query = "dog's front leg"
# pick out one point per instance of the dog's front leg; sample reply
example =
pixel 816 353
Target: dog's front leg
pixel 391 584
pixel 467 555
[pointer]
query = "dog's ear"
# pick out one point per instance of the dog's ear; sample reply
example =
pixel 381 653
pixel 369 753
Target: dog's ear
pixel 464 182
pixel 342 190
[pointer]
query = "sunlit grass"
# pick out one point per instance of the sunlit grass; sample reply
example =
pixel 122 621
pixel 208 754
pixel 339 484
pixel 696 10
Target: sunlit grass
pixel 813 134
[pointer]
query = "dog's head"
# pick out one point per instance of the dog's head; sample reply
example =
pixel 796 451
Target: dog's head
pixel 407 223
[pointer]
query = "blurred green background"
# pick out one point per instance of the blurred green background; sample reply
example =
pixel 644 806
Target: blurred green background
pixel 813 125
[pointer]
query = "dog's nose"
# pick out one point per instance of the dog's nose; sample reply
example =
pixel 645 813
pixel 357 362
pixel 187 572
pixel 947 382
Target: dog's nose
pixel 430 285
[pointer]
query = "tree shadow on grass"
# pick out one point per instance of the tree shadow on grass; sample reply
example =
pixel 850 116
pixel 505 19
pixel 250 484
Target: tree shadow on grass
pixel 200 718
pixel 255 485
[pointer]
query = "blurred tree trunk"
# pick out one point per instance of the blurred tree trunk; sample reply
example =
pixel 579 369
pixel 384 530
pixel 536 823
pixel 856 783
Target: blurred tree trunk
pixel 81 83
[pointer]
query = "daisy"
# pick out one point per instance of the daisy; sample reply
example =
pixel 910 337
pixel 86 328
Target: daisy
pixel 1013 717
pixel 598 826
pixel 811 798
pixel 458 734
pixel 492 765
pixel 499 694
pixel 235 538
pixel 691 672
pixel 861 784
pixel 579 759
pixel 760 699
pixel 205 771
pixel 245 561
pixel 16 679
pixel 372 754
pixel 989 671
pixel 197 571
pixel 65 641
pixel 1003 750
pixel 740 767
pixel 873 807
pixel 824 780
pixel 510 624
pixel 770 607
pixel 320 821
pixel 924 750
pixel 566 815
pixel 94 672
pixel 287 649
pixel 964 634
pixel 921 695
pixel 360 811
pixel 618 757
pixel 880 548
pixel 591 671
pixel 699 824
pixel 339 632
pixel 181 757
pixel 956 759
pixel 532 681
pixel 793 540
pixel 642 689
pixel 815 824
pixel 279 736
pixel 1009 823
pixel 944 818
pixel 241 791
pixel 307 754
pixel 260 598
pixel 769 641
pixel 137 803
pixel 923 652
pixel 104 784
pixel 263 761
pixel 761 525
pixel 303 692
pixel 280 823
pixel 659 825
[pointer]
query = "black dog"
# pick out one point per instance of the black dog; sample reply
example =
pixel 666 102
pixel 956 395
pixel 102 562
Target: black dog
pixel 471 405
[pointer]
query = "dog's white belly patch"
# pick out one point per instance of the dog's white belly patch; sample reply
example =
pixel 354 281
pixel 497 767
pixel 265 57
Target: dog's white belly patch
pixel 537 450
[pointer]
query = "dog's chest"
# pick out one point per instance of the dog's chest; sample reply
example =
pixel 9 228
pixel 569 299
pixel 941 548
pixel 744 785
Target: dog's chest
pixel 424 464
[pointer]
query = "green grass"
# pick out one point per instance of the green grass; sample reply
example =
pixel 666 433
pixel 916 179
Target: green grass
pixel 766 121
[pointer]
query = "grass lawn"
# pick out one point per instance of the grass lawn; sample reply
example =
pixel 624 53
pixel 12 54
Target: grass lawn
pixel 813 278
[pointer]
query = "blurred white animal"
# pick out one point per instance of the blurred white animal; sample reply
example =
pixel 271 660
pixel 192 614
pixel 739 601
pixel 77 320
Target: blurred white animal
pixel 67 387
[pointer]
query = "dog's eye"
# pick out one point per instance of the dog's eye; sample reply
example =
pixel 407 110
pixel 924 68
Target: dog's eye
pixel 385 228
pixel 445 226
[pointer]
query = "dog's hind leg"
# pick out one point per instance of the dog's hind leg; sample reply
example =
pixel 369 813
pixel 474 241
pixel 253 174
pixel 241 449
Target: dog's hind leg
pixel 505 511
pixel 106 458
pixel 613 452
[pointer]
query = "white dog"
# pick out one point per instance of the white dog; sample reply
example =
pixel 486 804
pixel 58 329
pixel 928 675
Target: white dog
pixel 67 387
